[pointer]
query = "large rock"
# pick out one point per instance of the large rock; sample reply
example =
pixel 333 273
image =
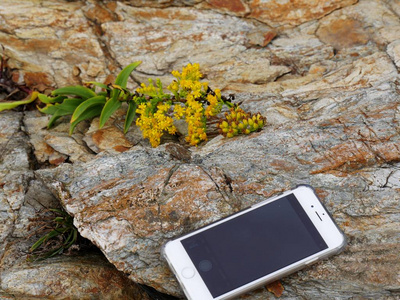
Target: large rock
pixel 22 200
pixel 324 73
pixel 347 147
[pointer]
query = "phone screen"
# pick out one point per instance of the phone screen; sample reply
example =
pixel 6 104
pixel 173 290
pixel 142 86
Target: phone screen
pixel 253 245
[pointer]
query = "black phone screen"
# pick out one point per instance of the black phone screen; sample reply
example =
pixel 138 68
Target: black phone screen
pixel 253 245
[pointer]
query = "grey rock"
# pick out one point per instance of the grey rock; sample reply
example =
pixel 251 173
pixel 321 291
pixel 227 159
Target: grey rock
pixel 328 84
pixel 130 204
pixel 22 199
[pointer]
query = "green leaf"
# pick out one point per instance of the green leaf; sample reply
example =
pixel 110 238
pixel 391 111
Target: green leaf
pixel 120 84
pixel 50 100
pixel 69 105
pixel 38 243
pixel 74 238
pixel 122 78
pixel 57 114
pixel 49 109
pixel 11 105
pixel 54 252
pixel 130 115
pixel 111 106
pixel 78 90
pixel 58 110
pixel 102 94
pixel 93 112
pixel 99 84
pixel 43 239
pixel 87 105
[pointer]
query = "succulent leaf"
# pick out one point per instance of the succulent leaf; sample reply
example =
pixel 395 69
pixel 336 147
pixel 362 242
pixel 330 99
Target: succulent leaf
pixel 78 90
pixel 130 115
pixel 87 106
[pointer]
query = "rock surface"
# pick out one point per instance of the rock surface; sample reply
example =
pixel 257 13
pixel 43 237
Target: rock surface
pixel 22 197
pixel 324 73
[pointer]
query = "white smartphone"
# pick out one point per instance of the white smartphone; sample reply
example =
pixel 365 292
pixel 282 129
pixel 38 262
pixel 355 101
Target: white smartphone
pixel 255 246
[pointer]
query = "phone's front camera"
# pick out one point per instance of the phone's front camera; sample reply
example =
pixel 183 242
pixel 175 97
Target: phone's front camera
pixel 205 265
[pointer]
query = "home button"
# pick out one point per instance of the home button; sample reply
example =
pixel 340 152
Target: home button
pixel 188 272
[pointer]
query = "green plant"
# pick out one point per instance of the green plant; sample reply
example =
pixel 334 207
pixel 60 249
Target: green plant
pixel 13 104
pixel 60 235
pixel 11 89
pixel 237 121
pixel 154 109
pixel 84 102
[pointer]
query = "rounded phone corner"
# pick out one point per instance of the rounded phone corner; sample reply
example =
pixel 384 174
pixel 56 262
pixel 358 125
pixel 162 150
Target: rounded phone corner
pixel 305 186
pixel 164 248
pixel 344 243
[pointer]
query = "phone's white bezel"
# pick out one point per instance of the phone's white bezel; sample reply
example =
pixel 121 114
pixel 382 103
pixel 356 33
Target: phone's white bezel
pixel 195 288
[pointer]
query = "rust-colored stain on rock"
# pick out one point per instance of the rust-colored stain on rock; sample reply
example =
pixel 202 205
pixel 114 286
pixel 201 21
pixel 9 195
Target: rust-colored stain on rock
pixel 235 6
pixel 343 33
pixel 164 14
pixel 294 12
pixel 354 155
pixel 268 37
pixel 110 138
pixel 99 14
pixel 37 80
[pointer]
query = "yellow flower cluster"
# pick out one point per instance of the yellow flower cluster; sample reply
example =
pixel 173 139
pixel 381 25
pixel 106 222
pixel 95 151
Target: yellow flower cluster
pixel 151 90
pixel 187 83
pixel 153 125
pixel 188 87
pixel 147 90
pixel 240 122
pixel 214 104
pixel 179 111
pixel 196 121
pixel 194 102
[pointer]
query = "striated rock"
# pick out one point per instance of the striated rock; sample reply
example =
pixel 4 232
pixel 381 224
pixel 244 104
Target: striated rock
pixel 278 13
pixel 22 197
pixel 130 204
pixel 324 73
pixel 141 196
pixel 109 138
pixel 77 277
pixel 55 146
pixel 393 50
pixel 53 41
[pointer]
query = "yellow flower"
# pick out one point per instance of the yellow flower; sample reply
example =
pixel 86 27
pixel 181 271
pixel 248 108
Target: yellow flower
pixel 153 125
pixel 215 105
pixel 179 111
pixel 176 74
